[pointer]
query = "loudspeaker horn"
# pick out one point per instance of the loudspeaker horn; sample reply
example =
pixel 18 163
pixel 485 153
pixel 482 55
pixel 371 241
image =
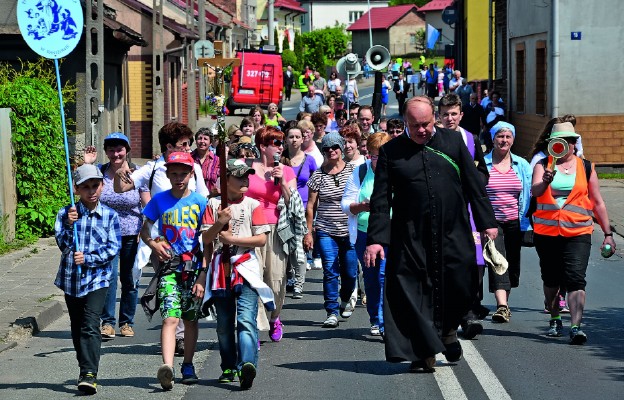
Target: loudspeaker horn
pixel 349 66
pixel 378 57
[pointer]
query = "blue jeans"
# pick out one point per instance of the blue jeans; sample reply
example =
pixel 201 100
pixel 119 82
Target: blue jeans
pixel 237 313
pixel 122 267
pixel 339 261
pixel 374 278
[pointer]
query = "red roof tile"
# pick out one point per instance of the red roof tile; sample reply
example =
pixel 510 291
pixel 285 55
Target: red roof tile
pixel 381 17
pixel 436 5
pixel 290 5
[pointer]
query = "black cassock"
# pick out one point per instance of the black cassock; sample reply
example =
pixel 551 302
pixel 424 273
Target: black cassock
pixel 430 264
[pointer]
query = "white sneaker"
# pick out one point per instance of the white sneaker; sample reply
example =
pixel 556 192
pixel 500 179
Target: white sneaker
pixel 374 331
pixel 318 264
pixel 308 266
pixel 331 321
pixel 346 308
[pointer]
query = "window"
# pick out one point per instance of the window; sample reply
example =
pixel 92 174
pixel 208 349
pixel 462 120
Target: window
pixel 355 15
pixel 540 77
pixel 520 77
pixel 302 19
pixel 412 39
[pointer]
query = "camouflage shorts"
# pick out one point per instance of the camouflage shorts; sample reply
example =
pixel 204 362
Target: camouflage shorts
pixel 176 298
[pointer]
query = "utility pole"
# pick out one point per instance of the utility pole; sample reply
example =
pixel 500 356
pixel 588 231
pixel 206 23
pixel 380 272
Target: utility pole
pixel 270 26
pixel 191 83
pixel 158 94
pixel 202 36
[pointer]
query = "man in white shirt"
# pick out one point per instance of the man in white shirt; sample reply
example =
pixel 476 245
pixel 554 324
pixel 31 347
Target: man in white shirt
pixel 456 81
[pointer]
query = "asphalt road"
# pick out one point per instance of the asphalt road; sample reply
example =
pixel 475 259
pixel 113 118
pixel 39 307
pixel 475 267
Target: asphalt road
pixel 514 360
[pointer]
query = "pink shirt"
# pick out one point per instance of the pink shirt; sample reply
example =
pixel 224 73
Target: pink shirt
pixel 504 189
pixel 268 193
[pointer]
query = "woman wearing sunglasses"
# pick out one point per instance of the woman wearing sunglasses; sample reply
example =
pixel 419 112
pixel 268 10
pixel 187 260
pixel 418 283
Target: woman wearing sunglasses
pixel 562 222
pixel 267 185
pixel 326 188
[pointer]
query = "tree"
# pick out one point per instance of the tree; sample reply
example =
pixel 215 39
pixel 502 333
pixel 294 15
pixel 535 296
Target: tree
pixel 418 3
pixel 325 44
pixel 420 41
pixel 276 40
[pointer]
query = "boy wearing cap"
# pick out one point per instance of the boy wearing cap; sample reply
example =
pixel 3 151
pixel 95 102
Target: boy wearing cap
pixel 181 279
pixel 84 273
pixel 235 293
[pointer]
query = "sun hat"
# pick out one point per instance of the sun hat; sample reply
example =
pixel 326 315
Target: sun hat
pixel 493 258
pixel 238 168
pixel 86 172
pixel 500 125
pixel 120 137
pixel 179 157
pixel 563 130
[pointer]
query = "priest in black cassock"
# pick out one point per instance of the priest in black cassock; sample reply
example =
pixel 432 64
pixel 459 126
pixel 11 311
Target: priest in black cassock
pixel 426 177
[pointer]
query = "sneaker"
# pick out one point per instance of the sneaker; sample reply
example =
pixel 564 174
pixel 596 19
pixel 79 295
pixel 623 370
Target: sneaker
pixel 275 330
pixel 347 307
pixel 87 383
pixel 165 376
pixel 318 264
pixel 331 321
pixel 188 374
pixel 107 331
pixel 126 331
pixel 246 375
pixel 471 328
pixel 290 286
pixel 308 266
pixel 563 306
pixel 577 336
pixel 546 310
pixel 502 314
pixel 228 376
pixel 374 331
pixel 297 294
pixel 179 347
pixel 555 328
pixel 364 300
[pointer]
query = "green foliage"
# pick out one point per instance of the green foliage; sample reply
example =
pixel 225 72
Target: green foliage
pixel 284 44
pixel 276 40
pixel 39 155
pixel 420 41
pixel 298 47
pixel 324 45
pixel 418 3
pixel 289 57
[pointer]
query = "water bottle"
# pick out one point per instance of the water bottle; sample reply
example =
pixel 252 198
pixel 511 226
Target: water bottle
pixel 606 251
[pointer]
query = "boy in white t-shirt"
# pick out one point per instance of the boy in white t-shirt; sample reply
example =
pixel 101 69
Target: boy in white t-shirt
pixel 234 288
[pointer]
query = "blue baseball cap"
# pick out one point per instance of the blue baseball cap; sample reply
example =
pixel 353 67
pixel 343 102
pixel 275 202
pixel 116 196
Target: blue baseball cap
pixel 120 137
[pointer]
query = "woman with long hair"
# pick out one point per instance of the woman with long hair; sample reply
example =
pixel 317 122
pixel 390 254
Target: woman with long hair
pixel 258 117
pixel 267 185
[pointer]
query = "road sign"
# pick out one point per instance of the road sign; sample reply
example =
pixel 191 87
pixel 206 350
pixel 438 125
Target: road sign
pixel 218 60
pixel 575 35
pixel 449 15
pixel 51 28
pixel 204 49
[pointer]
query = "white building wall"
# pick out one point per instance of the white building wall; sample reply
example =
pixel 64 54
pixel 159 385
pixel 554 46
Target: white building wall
pixel 324 14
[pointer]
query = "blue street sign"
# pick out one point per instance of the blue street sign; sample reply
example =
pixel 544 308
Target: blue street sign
pixel 575 36
pixel 51 28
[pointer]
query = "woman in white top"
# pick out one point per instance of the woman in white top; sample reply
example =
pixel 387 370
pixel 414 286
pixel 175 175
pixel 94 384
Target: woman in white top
pixel 333 82
pixel 353 138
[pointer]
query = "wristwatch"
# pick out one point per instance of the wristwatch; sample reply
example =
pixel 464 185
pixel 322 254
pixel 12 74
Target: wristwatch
pixel 608 234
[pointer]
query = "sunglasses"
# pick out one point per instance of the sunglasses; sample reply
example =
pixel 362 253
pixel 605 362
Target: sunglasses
pixel 571 140
pixel 277 143
pixel 334 148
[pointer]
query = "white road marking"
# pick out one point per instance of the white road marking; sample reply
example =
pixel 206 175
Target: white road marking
pixel 447 381
pixel 486 377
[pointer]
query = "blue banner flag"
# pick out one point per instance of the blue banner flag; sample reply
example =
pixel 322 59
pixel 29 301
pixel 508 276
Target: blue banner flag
pixel 432 36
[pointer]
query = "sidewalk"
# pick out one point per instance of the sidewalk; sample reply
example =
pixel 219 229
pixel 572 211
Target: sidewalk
pixel 29 301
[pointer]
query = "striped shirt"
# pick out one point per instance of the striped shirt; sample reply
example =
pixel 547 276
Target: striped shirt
pixel 504 189
pixel 329 216
pixel 210 169
pixel 99 238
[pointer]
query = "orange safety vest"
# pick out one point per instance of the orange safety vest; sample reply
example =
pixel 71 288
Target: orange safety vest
pixel 574 218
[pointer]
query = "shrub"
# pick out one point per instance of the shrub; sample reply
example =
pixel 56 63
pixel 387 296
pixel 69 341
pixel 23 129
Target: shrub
pixel 289 58
pixel 37 137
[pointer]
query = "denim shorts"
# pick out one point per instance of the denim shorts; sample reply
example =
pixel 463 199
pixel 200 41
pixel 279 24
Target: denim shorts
pixel 175 297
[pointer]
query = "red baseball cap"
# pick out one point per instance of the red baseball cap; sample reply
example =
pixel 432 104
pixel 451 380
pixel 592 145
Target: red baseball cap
pixel 180 158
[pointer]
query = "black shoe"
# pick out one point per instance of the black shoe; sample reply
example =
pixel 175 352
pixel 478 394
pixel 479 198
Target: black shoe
pixel 290 288
pixel 228 376
pixel 179 347
pixel 247 375
pixel 453 352
pixel 482 312
pixel 426 365
pixel 87 383
pixel 471 328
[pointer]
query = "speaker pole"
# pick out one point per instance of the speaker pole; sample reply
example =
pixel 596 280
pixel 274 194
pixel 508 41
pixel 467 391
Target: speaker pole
pixel 377 97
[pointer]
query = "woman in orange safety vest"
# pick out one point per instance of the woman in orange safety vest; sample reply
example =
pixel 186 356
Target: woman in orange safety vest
pixel 566 203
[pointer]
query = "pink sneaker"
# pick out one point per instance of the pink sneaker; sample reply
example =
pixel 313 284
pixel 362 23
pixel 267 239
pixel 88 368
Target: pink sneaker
pixel 275 330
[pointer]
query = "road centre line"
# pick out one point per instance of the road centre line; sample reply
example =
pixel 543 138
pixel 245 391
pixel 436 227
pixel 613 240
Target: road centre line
pixel 486 377
pixel 447 381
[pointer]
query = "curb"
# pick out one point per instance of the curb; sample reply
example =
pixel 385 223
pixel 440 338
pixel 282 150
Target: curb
pixel 40 318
